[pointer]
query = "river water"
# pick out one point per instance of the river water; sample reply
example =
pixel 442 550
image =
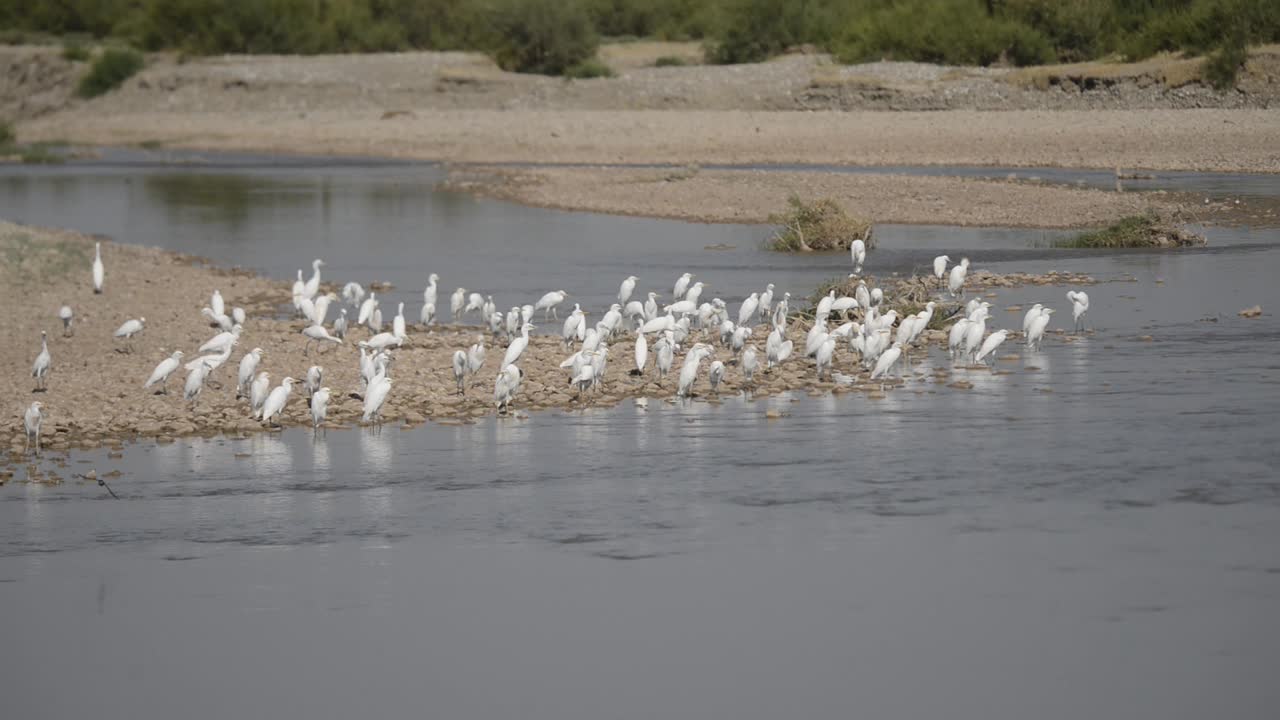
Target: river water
pixel 1095 534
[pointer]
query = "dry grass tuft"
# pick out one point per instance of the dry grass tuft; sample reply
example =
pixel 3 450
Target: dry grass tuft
pixel 818 225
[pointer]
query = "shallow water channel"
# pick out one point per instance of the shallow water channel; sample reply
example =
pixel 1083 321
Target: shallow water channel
pixel 1096 534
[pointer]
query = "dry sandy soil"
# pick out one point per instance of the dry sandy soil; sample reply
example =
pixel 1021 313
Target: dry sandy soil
pixel 95 394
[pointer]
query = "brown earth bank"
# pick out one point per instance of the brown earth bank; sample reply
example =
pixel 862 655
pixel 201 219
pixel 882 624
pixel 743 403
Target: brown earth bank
pixel 94 390
pixel 746 196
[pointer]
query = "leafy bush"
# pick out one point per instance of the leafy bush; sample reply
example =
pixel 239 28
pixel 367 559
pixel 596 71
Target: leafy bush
pixel 591 68
pixel 954 32
pixel 7 137
pixel 755 30
pixel 1136 231
pixel 542 36
pixel 109 71
pixel 75 52
pixel 670 61
pixel 818 225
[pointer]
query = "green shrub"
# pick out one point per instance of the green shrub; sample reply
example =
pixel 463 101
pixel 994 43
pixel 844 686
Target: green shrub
pixel 1136 231
pixel 670 61
pixel 109 71
pixel 755 30
pixel 590 68
pixel 7 137
pixel 542 36
pixel 1223 66
pixel 953 32
pixel 818 225
pixel 75 52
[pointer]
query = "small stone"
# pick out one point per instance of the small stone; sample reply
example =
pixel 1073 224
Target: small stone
pixel 1252 312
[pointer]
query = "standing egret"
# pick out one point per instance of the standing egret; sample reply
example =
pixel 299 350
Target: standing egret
pixel 516 348
pixel 40 368
pixel 1035 335
pixel 163 371
pixel 823 357
pixel 238 316
pixel 397 325
pixel 321 305
pixel 375 321
pixel 1030 317
pixel 715 375
pixel 955 284
pixel 505 387
pixel 780 311
pixel 513 321
pixel 319 408
pixel 666 356
pixel 573 326
pixel 366 309
pixel 766 301
pixel 196 374
pixel 858 253
pixel 599 360
pixel 31 420
pixel 353 293
pixel 863 296
pixel 689 371
pixel 1079 306
pixel 318 335
pixel 222 340
pixel 217 304
pixel 65 315
pixel 307 307
pixel 258 393
pixel 489 307
pixel 940 267
pixel 99 272
pixel 299 290
pixel 340 325
pixel 457 301
pixel 312 285
pixel 428 314
pixel 248 366
pixel 496 325
pixel 642 354
pixel 276 401
pixel 526 314
pixel 694 293
pixel 624 291
pixel 887 360
pixel 584 377
pixel 973 334
pixel 956 336
pixel 611 320
pixel 382 341
pixel 223 321
pixel 374 398
pixel 128 330
pixel 315 378
pixel 430 294
pixel 651 306
pixel 547 303
pixel 992 342
pixel 475 301
pixel 460 370
pixel 681 286
pixel 749 364
pixel 877 297
pixel 747 312
pixel 475 355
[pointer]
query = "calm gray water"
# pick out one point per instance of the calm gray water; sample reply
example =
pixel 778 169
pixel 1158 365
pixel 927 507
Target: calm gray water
pixel 1107 549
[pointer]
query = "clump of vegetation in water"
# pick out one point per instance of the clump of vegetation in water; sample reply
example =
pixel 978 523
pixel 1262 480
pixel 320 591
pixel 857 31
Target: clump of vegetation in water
pixel 109 71
pixel 818 225
pixel 1137 231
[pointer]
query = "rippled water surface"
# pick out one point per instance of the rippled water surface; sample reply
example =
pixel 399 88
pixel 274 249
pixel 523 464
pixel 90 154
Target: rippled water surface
pixel 1092 535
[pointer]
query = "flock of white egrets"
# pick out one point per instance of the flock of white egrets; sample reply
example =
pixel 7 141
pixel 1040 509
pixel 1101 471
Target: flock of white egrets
pixel 872 339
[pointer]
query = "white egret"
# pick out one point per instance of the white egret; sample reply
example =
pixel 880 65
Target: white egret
pixel 238 316
pixel 313 283
pixel 634 311
pixel 956 337
pixel 780 311
pixel 611 320
pixel 319 407
pixel 992 342
pixel 321 305
pixel 99 272
pixel 299 290
pixel 430 294
pixel 651 306
pixel 955 284
pixel 599 361
pixel 197 371
pixel 940 267
pixel 694 293
pixel 739 339
pixel 353 293
pixel 584 376
pixel 163 371
pixel 877 297
pixel 276 401
pixel 844 303
pixel 547 303
pixel 624 291
pixel 973 334
pixel 825 352
pixel 382 341
pixel 258 393
pixel 749 364
pixel 682 307
pixel 475 301
pixel 222 340
pixel 212 362
pixel 374 399
pixel 664 323
pixel 689 371
pixel 513 321
pixel 747 312
pixel 397 325
pixel 505 386
pixel 315 378
pixel 457 301
pixel 428 314
pixel 128 330
pixel 681 286
pixel 766 301
pixel 526 314
pixel 318 335
pixel 248 366
pixel 1079 306
pixel 1035 335
pixel 307 307
pixel 40 368
pixel 340 325
pixel 366 309
pixel 887 360
pixel 863 296
pixel 858 253
pixel 817 335
pixel 665 356
pixel 31 420
pixel 642 354
pixel 573 326
pixel 65 315
pixel 496 325
pixel 217 304
pixel 475 355
pixel 222 321
pixel 715 374
pixel 1030 317
pixel 516 348
pixel 375 321
pixel 460 369
pixel 489 307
